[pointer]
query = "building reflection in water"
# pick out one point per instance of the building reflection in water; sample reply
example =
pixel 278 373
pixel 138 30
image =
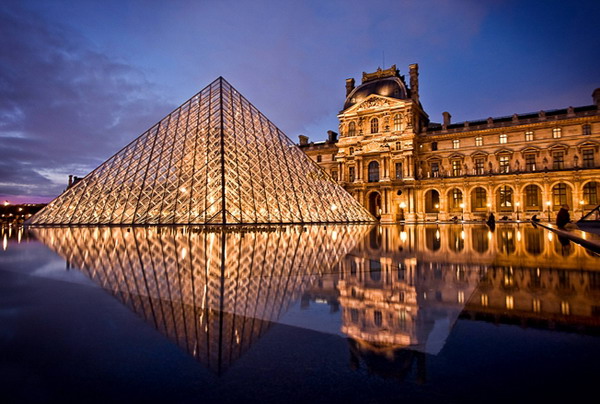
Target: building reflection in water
pixel 398 289
pixel 402 288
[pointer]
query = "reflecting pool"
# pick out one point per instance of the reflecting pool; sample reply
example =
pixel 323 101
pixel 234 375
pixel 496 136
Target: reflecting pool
pixel 426 313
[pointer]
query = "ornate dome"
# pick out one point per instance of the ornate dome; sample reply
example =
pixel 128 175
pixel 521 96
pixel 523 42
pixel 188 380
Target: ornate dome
pixel 387 86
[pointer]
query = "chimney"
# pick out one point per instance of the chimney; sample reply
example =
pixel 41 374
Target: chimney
pixel 70 181
pixel 303 140
pixel 596 97
pixel 331 136
pixel 414 81
pixel 349 86
pixel 447 118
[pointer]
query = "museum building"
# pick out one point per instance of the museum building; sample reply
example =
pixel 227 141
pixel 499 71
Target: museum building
pixel 400 166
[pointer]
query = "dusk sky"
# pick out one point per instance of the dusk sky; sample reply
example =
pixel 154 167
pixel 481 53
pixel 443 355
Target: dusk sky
pixel 81 79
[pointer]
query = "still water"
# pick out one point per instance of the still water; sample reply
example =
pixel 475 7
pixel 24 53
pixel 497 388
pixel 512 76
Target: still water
pixel 448 314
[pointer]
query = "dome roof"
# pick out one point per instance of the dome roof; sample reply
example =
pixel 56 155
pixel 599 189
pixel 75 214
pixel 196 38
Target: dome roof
pixel 388 87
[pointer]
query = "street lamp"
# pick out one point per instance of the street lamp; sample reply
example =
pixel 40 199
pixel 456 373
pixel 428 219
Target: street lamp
pixel 548 204
pixel 402 206
pixel 462 213
pixel 517 204
pixel 581 203
pixel 437 211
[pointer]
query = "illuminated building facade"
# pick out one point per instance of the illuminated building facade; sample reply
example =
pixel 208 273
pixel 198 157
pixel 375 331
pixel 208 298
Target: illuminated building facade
pixel 401 166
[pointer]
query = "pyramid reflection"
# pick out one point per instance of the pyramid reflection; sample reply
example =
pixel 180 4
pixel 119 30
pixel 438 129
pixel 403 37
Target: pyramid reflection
pixel 214 293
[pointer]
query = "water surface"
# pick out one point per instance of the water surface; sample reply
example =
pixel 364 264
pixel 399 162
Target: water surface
pixel 444 313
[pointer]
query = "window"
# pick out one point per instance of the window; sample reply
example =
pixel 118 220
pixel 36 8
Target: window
pixel 504 164
pixel 435 169
pixel 456 144
pixel 558 160
pixel 456 168
pixel 479 166
pixel 590 193
pixel 334 175
pixel 480 198
pixel 374 125
pixel 398 145
pixel 530 162
pixel 503 138
pixel 588 158
pixel 559 194
pixel 565 309
pixel 319 158
pixel 528 136
pixel 377 318
pixel 351 151
pixel 352 129
pixel 536 305
pixel 397 121
pixel 398 171
pixel 478 141
pixel 506 196
pixel 556 133
pixel 351 174
pixel 586 129
pixel 457 198
pixel 484 300
pixel 354 315
pixel 373 171
pixel 433 146
pixel 510 302
pixel 532 195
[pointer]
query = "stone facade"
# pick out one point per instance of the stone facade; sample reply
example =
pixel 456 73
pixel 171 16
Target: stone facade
pixel 402 167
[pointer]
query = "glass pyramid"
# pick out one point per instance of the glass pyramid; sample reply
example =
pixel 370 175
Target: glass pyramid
pixel 214 160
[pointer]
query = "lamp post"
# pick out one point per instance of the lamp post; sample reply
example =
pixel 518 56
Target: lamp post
pixel 462 212
pixel 581 203
pixel 548 204
pixel 437 211
pixel 402 206
pixel 517 204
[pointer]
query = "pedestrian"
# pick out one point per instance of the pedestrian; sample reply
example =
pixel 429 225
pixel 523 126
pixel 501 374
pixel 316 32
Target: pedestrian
pixel 563 217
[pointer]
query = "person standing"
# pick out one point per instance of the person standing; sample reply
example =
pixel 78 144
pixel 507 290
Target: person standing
pixel 563 217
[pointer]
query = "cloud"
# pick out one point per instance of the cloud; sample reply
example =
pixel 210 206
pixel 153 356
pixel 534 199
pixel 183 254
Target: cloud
pixel 64 106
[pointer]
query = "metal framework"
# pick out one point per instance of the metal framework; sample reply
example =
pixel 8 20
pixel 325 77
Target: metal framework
pixel 212 293
pixel 214 160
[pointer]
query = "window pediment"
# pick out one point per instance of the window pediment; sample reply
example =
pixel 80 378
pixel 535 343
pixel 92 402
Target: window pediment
pixel 479 153
pixel 503 151
pixel 588 144
pixel 559 147
pixel 530 150
pixel 456 156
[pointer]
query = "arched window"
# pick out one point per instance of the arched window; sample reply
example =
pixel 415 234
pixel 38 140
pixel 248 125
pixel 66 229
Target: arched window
pixel 432 201
pixel 373 171
pixel 590 193
pixel 397 122
pixel 352 129
pixel 374 125
pixel 532 196
pixel 559 194
pixel 456 199
pixel 505 197
pixel 479 198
